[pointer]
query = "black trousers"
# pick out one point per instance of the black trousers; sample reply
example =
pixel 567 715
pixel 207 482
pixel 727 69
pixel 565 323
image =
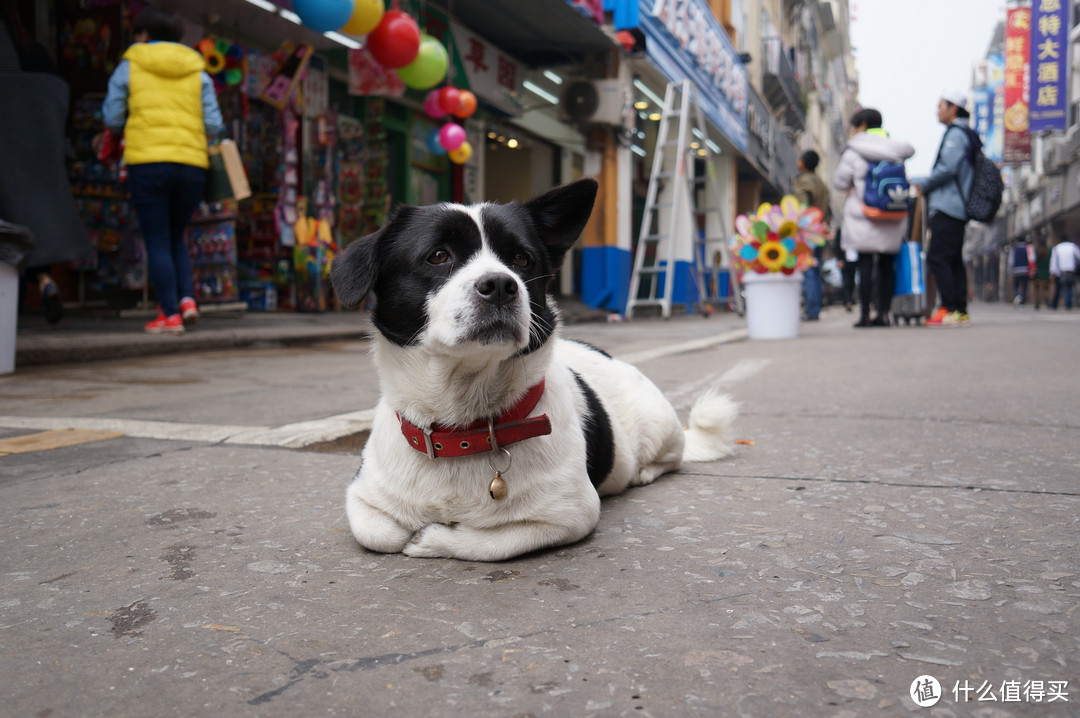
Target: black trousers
pixel 945 258
pixel 884 281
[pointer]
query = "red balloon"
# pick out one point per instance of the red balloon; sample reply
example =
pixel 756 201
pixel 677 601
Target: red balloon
pixel 396 40
pixel 449 99
pixel 466 104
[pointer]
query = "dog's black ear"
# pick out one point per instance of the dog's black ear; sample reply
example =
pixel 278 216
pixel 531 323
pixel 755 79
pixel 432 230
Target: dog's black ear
pixel 353 271
pixel 561 214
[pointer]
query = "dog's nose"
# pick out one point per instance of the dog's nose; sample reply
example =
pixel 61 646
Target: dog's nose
pixel 497 288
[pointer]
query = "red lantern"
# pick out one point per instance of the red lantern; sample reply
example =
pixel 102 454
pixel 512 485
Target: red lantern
pixel 449 99
pixel 396 41
pixel 466 104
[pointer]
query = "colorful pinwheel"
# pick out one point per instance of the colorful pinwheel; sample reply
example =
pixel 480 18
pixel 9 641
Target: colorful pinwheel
pixel 778 238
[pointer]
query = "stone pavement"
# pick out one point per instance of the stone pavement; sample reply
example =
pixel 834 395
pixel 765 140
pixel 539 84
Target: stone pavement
pixel 905 504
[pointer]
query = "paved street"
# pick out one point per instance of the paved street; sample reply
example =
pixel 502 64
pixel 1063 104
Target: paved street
pixel 906 503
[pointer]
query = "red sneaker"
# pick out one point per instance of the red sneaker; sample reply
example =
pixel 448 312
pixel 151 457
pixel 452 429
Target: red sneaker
pixel 189 310
pixel 166 325
pixel 938 317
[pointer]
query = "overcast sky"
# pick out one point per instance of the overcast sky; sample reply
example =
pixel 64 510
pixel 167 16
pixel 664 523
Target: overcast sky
pixel 907 53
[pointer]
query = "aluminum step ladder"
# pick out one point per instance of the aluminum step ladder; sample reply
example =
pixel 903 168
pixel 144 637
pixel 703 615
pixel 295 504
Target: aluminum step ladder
pixel 685 157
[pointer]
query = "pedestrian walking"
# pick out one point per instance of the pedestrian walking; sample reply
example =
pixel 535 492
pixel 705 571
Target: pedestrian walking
pixel 1063 261
pixel 949 182
pixel 164 103
pixel 1020 267
pixel 877 241
pixel 1040 286
pixel 809 189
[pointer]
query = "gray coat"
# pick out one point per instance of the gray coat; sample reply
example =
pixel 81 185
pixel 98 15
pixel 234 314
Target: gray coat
pixel 941 188
pixel 859 232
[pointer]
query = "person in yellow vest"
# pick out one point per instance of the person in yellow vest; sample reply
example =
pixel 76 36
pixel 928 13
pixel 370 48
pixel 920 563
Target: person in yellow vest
pixel 163 102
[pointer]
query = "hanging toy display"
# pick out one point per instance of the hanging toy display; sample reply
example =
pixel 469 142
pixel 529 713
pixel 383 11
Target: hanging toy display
pixel 395 42
pixel 365 17
pixel 324 15
pixel 224 61
pixel 429 67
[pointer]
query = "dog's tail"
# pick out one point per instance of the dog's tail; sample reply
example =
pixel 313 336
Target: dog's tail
pixel 709 435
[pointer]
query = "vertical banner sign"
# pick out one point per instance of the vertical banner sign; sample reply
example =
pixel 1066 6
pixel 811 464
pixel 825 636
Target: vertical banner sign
pixel 1049 48
pixel 983 115
pixel 995 82
pixel 1017 75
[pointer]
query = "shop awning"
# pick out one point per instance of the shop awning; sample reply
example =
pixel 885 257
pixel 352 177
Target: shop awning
pixel 538 32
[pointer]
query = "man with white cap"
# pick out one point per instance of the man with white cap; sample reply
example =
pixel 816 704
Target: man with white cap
pixel 946 190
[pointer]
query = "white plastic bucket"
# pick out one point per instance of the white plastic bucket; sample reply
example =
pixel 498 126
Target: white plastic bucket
pixel 773 305
pixel 9 316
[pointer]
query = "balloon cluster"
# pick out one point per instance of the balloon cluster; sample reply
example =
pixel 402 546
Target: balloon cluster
pixel 393 37
pixel 450 138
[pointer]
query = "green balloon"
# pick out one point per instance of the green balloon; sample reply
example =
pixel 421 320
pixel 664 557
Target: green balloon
pixel 429 67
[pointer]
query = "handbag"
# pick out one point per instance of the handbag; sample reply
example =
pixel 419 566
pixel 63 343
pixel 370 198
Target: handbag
pixel 217 187
pixel 234 168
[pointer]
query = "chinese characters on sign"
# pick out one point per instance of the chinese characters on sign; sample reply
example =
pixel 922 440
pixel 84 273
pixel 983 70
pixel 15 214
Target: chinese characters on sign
pixel 685 40
pixel 1017 78
pixel 1049 48
pixel 493 75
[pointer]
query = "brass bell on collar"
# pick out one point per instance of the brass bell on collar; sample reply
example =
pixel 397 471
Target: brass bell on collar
pixel 497 487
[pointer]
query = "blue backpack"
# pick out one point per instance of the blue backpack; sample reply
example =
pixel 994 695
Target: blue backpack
pixel 886 195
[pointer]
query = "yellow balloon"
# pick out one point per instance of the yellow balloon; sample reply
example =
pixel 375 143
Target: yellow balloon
pixel 461 155
pixel 365 17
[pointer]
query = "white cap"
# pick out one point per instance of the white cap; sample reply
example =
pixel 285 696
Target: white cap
pixel 956 97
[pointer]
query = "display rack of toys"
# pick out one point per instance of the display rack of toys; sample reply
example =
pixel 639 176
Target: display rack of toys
pixel 104 204
pixel 211 242
pixel 263 264
pixel 312 255
pixel 376 188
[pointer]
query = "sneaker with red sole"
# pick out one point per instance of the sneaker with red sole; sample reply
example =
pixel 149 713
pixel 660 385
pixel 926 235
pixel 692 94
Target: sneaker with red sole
pixel 189 310
pixel 166 325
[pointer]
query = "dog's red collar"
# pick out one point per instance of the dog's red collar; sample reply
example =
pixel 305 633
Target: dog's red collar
pixel 511 426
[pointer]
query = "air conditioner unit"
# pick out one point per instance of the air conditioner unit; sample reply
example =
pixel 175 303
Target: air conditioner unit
pixel 596 102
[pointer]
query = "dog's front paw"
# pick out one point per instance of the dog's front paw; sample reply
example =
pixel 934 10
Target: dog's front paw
pixel 432 541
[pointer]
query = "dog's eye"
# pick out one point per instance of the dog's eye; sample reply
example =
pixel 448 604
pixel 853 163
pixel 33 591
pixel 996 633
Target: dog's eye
pixel 439 256
pixel 521 260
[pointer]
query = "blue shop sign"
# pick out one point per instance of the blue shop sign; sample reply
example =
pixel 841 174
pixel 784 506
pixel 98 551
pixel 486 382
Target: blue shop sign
pixel 684 40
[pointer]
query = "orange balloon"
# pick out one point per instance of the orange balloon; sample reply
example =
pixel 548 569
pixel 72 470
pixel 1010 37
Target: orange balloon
pixel 466 104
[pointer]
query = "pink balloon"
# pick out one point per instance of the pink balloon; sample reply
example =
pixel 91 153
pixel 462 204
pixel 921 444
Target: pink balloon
pixel 451 136
pixel 432 106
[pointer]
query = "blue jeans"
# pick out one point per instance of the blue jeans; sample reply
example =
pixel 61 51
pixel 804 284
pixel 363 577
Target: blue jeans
pixel 811 285
pixel 164 195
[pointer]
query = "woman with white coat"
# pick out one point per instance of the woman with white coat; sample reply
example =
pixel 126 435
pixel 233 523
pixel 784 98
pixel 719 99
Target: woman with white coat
pixel 873 239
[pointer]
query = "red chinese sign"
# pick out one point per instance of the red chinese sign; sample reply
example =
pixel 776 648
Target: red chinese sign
pixel 1017 85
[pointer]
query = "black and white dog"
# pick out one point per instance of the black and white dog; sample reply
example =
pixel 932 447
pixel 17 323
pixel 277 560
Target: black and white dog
pixel 494 437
